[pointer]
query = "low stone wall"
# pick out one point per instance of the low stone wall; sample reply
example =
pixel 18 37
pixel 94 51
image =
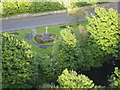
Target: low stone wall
pixel 90 9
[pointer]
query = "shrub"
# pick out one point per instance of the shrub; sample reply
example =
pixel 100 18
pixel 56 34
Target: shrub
pixel 115 79
pixel 70 79
pixel 17 62
pixel 40 38
pixel 14 8
pixel 45 6
pixel 53 35
pixel 37 38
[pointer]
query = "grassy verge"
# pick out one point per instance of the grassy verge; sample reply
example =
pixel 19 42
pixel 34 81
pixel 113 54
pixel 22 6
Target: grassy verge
pixel 52 29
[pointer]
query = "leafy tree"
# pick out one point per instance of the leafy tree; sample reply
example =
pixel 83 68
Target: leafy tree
pixel 47 68
pixel 103 29
pixel 16 62
pixel 70 79
pixel 69 4
pixel 77 13
pixel 66 51
pixel 115 79
pixel 65 55
pixel 88 51
pixel 91 2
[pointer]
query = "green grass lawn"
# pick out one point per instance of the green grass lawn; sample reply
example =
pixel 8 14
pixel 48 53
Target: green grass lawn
pixel 52 29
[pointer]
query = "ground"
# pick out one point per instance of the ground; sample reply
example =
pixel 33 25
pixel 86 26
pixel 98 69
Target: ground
pixel 52 29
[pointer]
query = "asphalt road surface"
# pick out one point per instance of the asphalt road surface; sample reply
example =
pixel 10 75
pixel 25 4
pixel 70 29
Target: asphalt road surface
pixel 36 21
pixel 40 21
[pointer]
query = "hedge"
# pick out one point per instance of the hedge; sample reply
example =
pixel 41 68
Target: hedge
pixel 15 8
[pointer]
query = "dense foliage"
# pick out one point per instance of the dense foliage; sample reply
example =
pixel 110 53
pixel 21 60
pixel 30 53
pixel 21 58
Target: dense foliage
pixel 88 55
pixel 65 55
pixel 79 49
pixel 13 8
pixel 103 28
pixel 115 79
pixel 29 6
pixel 45 6
pixel 16 62
pixel 66 51
pixel 70 79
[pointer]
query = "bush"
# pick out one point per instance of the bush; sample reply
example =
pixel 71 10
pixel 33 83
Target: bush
pixel 115 79
pixel 70 79
pixel 37 38
pixel 14 8
pixel 17 64
pixel 45 6
pixel 27 6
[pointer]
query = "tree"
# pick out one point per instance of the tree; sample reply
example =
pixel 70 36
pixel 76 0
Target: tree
pixel 17 64
pixel 70 79
pixel 91 54
pixel 66 51
pixel 91 2
pixel 103 29
pixel 65 55
pixel 77 13
pixel 69 4
pixel 115 79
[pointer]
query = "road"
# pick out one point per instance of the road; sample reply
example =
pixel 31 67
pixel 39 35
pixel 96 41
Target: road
pixel 36 21
pixel 40 21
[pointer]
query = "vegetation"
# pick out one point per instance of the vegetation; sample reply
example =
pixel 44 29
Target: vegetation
pixel 77 13
pixel 70 79
pixel 14 8
pixel 51 29
pixel 65 50
pixel 77 48
pixel 29 6
pixel 17 62
pixel 115 79
pixel 103 28
pixel 69 4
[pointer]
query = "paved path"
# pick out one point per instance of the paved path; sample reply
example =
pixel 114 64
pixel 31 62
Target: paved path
pixel 40 21
pixel 29 37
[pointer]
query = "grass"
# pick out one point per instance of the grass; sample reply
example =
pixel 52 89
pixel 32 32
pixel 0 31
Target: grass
pixel 56 29
pixel 52 29
pixel 21 32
